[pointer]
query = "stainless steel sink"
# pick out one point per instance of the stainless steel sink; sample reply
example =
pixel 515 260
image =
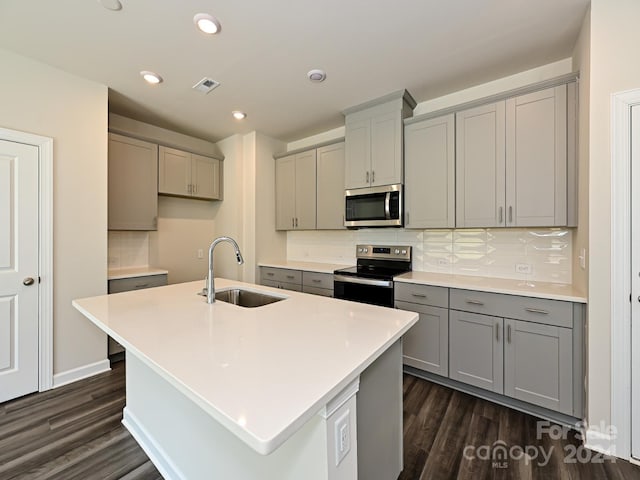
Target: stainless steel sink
pixel 246 298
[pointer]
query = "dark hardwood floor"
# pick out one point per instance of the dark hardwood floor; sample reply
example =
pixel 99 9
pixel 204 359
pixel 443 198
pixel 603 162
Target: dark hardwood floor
pixel 74 432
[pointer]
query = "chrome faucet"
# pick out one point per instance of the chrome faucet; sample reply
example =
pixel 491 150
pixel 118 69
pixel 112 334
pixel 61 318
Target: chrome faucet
pixel 211 291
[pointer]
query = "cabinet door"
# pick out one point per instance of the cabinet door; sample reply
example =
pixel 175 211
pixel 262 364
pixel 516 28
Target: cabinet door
pixel 132 184
pixel 305 191
pixel 426 344
pixel 285 192
pixel 357 154
pixel 536 152
pixel 386 149
pixel 538 365
pixel 430 173
pixel 476 350
pixel 205 177
pixel 330 183
pixel 480 166
pixel 174 172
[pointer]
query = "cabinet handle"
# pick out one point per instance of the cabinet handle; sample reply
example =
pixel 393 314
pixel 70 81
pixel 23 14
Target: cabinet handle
pixel 142 285
pixel 497 332
pixel 293 222
pixel 509 333
pixel 510 214
pixel 537 310
pixel 367 177
pixel 475 302
pixel 296 222
pixel 407 217
pixel 316 280
pixel 195 188
pixel 189 188
pixel 419 295
pixel 291 277
pixel 373 176
pixel 500 216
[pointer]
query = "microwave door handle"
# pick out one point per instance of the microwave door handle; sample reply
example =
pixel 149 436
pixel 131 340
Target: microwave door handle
pixel 387 206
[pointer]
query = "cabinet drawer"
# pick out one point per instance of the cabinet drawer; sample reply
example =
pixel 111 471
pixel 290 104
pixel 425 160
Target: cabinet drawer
pixel 325 292
pixel 422 294
pixel 318 280
pixel 136 283
pixel 296 287
pixel 538 310
pixel 281 275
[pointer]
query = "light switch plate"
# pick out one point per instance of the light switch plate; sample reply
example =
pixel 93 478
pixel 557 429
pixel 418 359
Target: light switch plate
pixel 342 436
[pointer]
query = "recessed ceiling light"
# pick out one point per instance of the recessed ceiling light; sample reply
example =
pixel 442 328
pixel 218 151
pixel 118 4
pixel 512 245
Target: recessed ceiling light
pixel 238 115
pixel 150 77
pixel 317 75
pixel 114 5
pixel 206 23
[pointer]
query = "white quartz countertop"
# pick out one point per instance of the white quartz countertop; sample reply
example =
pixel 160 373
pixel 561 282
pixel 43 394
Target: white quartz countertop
pixel 307 266
pixel 552 291
pixel 132 272
pixel 261 372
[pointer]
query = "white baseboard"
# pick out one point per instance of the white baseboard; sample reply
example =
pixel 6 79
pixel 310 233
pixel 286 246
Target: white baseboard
pixel 79 373
pixel 601 442
pixel 154 451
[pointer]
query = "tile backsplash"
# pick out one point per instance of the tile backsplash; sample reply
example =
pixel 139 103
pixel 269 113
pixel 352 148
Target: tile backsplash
pixel 542 254
pixel 128 249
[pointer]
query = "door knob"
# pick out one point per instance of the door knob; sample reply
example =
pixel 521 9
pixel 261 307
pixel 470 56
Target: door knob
pixel 28 281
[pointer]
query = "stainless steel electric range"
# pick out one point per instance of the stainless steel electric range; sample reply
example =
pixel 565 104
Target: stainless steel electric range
pixel 371 280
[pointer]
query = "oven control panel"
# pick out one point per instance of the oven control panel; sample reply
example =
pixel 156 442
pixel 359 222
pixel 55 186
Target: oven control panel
pixel 387 252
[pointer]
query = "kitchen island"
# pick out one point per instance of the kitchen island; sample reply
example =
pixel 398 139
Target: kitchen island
pixel 306 387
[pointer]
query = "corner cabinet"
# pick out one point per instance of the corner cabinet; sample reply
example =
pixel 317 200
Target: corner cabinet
pixel 132 184
pixel 296 191
pixel 429 162
pixel 373 141
pixel 186 174
pixel 512 161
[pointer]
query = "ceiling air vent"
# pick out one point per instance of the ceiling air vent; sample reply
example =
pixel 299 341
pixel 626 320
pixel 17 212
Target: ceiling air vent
pixel 206 85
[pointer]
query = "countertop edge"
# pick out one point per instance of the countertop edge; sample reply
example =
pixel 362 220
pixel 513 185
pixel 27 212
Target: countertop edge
pixel 120 273
pixel 316 267
pixel 451 283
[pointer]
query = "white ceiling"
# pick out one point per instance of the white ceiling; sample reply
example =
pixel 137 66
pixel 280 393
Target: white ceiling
pixel 368 47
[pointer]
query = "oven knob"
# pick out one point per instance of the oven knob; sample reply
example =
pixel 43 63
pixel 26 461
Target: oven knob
pixel 404 252
pixel 359 250
pixel 366 250
pixel 397 251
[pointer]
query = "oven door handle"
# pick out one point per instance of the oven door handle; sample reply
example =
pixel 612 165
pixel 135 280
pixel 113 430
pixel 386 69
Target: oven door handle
pixel 387 206
pixel 364 281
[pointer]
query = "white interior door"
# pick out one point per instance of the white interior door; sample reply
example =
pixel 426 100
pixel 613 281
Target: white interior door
pixel 635 282
pixel 18 269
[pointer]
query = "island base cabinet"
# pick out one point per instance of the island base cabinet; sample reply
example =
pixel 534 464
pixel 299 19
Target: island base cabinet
pixel 185 442
pixel 476 350
pixel 538 365
pixel 426 344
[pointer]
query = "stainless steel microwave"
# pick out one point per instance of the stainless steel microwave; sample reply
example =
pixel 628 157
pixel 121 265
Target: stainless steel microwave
pixel 373 207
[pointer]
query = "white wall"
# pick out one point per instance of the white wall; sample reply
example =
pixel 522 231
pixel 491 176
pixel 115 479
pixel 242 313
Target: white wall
pixel 39 99
pixel 614 39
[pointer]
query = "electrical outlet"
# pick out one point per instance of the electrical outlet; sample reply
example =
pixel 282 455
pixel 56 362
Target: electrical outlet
pixel 443 262
pixel 200 253
pixel 523 268
pixel 342 436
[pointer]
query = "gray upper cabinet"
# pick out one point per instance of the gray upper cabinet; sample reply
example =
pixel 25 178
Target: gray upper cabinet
pixel 430 173
pixel 133 184
pixel 296 191
pixel 373 141
pixel 480 166
pixel 186 174
pixel 330 185
pixel 536 158
pixel 476 350
pixel 538 365
pixel 512 161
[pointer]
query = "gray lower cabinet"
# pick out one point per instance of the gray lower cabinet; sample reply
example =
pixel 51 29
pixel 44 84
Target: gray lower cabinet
pixel 476 350
pixel 537 365
pixel 297 280
pixel 426 345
